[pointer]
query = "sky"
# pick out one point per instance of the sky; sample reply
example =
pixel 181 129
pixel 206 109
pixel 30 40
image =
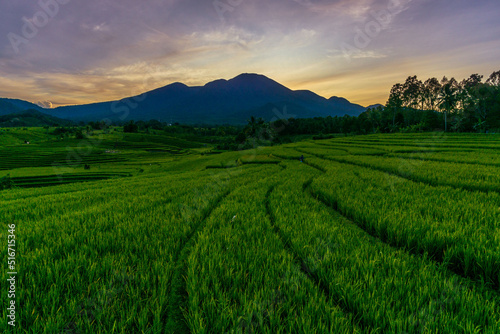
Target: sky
pixel 63 52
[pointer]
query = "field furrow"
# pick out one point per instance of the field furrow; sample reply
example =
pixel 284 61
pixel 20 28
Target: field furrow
pixel 242 279
pixel 356 268
pixel 402 213
pixel 383 233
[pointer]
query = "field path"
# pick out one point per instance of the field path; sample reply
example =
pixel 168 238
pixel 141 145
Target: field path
pixel 310 273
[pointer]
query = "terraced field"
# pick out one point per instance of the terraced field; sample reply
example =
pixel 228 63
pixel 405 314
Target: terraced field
pixel 371 234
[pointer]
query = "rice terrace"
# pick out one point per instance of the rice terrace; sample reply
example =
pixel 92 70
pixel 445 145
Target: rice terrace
pixel 384 233
pixel 250 166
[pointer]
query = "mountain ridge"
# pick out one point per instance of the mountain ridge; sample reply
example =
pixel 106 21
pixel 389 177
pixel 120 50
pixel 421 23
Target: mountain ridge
pixel 217 102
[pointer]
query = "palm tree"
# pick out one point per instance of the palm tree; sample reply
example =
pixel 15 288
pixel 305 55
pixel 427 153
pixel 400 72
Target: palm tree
pixel 254 124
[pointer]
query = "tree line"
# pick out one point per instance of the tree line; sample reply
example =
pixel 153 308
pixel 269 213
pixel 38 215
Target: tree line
pixel 471 105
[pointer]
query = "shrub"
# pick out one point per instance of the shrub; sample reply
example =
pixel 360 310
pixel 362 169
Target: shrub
pixel 6 182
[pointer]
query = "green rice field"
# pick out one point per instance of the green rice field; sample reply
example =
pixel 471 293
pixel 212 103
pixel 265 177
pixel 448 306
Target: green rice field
pixel 149 233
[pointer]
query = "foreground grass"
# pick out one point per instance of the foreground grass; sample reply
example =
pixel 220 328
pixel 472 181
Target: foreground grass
pixel 256 241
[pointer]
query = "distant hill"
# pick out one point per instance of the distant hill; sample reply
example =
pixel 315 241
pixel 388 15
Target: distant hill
pixel 7 108
pixel 219 102
pixel 31 118
pixel 373 106
pixel 18 105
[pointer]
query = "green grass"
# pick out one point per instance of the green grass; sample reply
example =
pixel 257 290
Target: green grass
pixel 160 237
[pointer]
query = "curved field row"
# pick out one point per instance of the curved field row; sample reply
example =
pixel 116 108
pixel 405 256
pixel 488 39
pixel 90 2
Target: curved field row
pixel 241 278
pixel 356 268
pixel 268 244
pixel 472 157
pixel 52 180
pixel 89 262
pixel 461 231
pixel 458 175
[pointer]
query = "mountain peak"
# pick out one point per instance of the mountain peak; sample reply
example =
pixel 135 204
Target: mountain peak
pixel 246 76
pixel 216 83
pixel 252 82
pixel 373 106
pixel 338 99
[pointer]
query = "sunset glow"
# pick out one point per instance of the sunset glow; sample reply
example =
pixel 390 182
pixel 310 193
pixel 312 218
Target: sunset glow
pixel 71 52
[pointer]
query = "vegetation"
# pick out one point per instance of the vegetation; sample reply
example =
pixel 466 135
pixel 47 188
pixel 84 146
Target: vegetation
pixel 30 118
pixel 164 233
pixel 467 106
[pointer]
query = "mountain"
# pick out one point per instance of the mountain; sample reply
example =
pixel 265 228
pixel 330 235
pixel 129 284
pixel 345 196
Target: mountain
pixel 8 106
pixel 374 106
pixel 31 118
pixel 350 108
pixel 218 102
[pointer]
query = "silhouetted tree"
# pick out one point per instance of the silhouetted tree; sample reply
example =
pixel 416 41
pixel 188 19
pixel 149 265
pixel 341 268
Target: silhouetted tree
pixel 448 98
pixel 412 92
pixel 494 79
pixel 130 127
pixel 396 99
pixel 431 93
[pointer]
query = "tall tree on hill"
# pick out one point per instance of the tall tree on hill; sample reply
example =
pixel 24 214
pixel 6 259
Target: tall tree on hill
pixel 448 98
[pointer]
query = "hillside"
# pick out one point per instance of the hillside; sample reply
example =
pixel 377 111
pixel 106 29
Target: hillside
pixel 31 118
pixel 219 102
pixel 6 107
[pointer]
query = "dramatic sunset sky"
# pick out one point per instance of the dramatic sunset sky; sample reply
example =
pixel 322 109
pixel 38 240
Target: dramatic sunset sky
pixel 100 50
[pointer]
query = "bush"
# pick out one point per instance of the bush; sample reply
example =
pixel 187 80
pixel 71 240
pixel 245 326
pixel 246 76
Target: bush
pixel 79 134
pixel 131 127
pixel 6 182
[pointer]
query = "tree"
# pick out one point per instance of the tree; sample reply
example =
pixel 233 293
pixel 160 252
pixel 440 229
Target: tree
pixel 240 138
pixel 254 124
pixel 471 103
pixel 395 101
pixel 412 92
pixel 494 79
pixel 491 95
pixel 79 134
pixel 448 98
pixel 6 182
pixel 131 127
pixel 431 93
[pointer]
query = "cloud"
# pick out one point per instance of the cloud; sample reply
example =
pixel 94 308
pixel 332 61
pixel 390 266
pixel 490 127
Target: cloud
pixel 99 50
pixel 45 104
pixel 227 36
pixel 356 54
